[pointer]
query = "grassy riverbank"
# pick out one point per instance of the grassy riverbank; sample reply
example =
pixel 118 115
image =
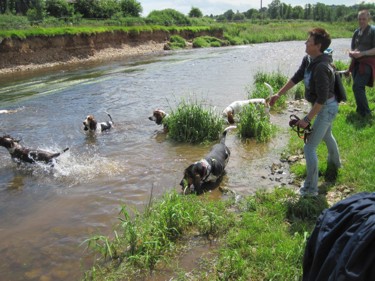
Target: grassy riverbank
pixel 260 237
pixel 235 33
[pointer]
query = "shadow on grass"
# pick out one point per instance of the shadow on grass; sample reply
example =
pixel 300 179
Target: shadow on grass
pixel 359 122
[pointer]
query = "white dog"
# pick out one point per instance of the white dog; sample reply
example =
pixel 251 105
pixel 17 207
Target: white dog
pixel 237 106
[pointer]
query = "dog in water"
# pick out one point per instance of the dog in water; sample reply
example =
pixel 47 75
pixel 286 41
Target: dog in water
pixel 237 106
pixel 93 126
pixel 159 116
pixel 20 153
pixel 208 169
pixel 9 111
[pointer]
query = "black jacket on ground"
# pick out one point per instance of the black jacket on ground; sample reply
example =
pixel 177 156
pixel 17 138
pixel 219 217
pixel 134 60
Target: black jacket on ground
pixel 342 245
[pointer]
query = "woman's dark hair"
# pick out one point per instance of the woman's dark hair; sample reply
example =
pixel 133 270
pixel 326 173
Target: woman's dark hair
pixel 321 36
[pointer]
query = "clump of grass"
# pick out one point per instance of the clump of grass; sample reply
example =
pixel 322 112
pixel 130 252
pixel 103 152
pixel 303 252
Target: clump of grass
pixel 144 240
pixel 208 41
pixel 191 122
pixel 276 80
pixel 255 123
pixel 176 42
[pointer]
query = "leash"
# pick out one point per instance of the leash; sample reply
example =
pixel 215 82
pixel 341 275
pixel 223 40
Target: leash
pixel 302 133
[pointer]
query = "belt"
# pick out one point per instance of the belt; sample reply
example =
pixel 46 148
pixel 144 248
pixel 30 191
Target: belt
pixel 330 99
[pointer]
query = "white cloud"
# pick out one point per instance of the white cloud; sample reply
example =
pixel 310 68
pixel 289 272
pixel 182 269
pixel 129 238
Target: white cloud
pixel 218 7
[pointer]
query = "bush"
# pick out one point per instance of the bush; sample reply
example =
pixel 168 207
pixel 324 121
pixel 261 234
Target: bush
pixel 167 17
pixel 131 8
pixel 8 22
pixel 192 123
pixel 208 41
pixel 176 42
pixel 59 8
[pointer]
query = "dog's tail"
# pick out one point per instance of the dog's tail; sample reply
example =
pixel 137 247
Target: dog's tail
pixel 226 131
pixel 110 117
pixel 269 88
pixel 57 154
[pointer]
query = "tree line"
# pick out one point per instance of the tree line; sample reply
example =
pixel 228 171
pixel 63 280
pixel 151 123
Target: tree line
pixel 37 10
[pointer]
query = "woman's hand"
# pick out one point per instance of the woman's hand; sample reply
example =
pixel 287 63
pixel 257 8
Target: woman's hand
pixel 273 99
pixel 302 123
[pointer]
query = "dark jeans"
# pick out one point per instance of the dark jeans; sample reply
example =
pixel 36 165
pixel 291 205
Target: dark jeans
pixel 359 89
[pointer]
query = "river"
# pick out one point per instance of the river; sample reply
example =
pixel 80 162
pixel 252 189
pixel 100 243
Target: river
pixel 47 213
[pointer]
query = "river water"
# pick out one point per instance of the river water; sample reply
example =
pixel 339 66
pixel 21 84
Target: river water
pixel 47 213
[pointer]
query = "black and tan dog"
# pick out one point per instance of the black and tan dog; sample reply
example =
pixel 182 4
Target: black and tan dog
pixel 91 125
pixel 20 153
pixel 208 169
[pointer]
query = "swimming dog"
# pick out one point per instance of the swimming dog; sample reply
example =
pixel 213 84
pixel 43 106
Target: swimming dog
pixel 237 106
pixel 9 111
pixel 158 116
pixel 91 125
pixel 208 169
pixel 20 153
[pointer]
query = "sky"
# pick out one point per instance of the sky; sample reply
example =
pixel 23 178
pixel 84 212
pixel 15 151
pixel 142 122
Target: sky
pixel 218 7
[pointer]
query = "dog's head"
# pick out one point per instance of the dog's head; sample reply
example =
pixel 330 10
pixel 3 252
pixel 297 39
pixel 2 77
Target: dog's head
pixel 8 142
pixel 158 116
pixel 89 123
pixel 192 180
pixel 228 114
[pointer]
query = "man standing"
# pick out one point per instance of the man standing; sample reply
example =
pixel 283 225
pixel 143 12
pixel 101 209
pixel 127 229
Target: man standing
pixel 362 66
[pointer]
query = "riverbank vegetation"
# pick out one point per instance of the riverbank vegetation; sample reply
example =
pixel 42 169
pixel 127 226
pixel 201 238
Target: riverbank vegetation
pixel 277 22
pixel 259 237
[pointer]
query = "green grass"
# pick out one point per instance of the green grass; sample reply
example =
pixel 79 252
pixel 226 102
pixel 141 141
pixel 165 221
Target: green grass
pixel 192 122
pixel 176 42
pixel 142 242
pixel 255 123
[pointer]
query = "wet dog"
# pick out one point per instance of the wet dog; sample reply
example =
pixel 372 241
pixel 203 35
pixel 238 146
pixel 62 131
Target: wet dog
pixel 20 153
pixel 9 111
pixel 209 169
pixel 158 116
pixel 92 126
pixel 237 106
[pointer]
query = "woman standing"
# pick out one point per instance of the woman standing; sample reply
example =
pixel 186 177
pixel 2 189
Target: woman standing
pixel 317 74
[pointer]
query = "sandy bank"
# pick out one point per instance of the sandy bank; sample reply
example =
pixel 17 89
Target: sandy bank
pixel 43 52
pixel 106 54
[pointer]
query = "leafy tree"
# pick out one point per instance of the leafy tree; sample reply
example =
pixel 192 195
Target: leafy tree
pixel 274 9
pixel 131 8
pixel 37 12
pixel 7 6
pixel 195 13
pixel 59 8
pixel 238 16
pixel 252 14
pixel 229 14
pixel 168 17
pixel 297 13
pixel 97 8
pixel 105 8
pixel 85 7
